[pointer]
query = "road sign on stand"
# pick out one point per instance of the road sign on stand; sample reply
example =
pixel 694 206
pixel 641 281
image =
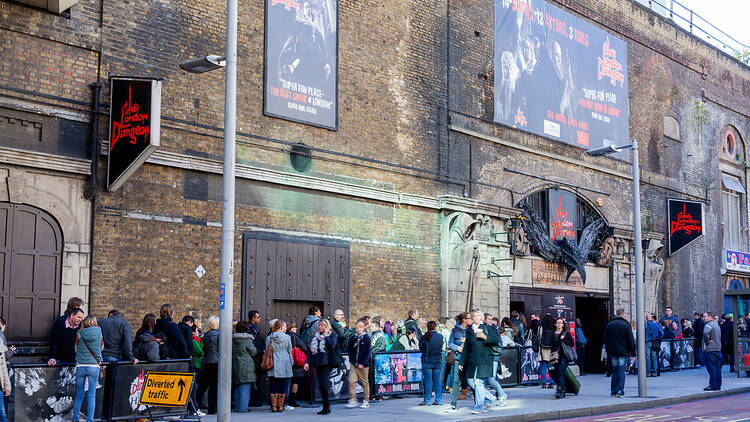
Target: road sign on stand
pixel 166 389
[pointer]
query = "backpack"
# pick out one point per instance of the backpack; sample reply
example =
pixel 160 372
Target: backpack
pixel 299 357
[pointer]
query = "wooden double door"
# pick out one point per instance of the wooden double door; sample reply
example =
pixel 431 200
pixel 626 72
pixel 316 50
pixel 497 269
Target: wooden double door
pixel 283 276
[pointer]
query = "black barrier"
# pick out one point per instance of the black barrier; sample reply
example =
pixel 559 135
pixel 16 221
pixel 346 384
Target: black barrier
pixel 665 355
pixel 508 369
pixel 127 383
pixel 530 367
pixel 42 393
pixel 397 373
pixel 340 381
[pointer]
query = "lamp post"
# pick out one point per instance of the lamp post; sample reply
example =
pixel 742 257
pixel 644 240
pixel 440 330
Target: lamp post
pixel 200 65
pixel 639 311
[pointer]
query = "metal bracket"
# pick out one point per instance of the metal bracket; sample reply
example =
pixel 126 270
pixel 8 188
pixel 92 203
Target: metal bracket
pixel 491 274
pixel 493 260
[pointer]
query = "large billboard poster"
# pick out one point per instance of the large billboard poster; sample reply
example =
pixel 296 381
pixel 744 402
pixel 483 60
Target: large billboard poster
pixel 301 61
pixel 558 76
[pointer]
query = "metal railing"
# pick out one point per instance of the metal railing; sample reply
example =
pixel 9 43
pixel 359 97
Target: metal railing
pixel 695 24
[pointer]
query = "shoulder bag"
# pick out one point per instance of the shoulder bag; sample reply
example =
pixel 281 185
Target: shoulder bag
pixel 267 362
pixel 101 373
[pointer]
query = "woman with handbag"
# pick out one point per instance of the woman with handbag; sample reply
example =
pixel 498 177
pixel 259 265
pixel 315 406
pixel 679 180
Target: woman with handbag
pixel 562 348
pixel 277 360
pixel 323 355
pixel 546 332
pixel 89 343
pixel 299 364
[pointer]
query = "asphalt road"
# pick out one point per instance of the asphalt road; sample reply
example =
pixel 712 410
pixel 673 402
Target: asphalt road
pixel 724 409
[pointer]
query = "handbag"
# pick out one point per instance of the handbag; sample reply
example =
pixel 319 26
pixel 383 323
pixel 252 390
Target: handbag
pixel 101 373
pixel 450 357
pixel 570 352
pixel 267 362
pixel 299 357
pixel 528 341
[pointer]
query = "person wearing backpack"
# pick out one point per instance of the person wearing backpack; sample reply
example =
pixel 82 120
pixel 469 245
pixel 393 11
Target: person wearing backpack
pixel 654 334
pixel 324 355
pixel 279 353
pixel 175 339
pixel 299 365
pixel 359 359
pixel 580 346
pixel 88 345
pixel 310 325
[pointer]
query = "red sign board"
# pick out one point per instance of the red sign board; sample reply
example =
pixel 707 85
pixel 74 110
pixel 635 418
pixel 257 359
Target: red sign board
pixel 134 123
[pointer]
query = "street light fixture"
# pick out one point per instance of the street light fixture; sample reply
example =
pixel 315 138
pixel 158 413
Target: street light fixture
pixel 639 311
pixel 226 301
pixel 204 64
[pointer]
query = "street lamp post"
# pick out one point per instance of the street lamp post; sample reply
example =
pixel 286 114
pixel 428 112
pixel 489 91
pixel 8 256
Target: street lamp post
pixel 640 315
pixel 201 65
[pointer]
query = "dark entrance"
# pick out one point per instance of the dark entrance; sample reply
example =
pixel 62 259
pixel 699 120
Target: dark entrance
pixel 594 315
pixel 30 270
pixel 283 276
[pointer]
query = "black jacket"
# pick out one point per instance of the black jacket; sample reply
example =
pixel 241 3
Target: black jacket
pixel 727 329
pixel 618 338
pixel 118 340
pixel 176 346
pixel 323 358
pixel 359 350
pixel 432 351
pixel 698 326
pixel 145 347
pixel 477 356
pixel 259 342
pixel 62 346
pixel 413 324
pixel 187 334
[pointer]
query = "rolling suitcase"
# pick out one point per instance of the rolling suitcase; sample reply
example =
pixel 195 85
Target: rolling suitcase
pixel 572 385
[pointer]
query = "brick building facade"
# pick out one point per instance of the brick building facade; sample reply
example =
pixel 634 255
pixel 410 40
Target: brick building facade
pixel 416 143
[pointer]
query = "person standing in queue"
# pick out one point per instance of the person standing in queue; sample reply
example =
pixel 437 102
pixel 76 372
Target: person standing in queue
pixel 322 350
pixel 431 346
pixel 280 375
pixel 476 359
pixel 89 344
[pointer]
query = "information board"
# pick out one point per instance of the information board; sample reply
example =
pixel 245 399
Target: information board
pixel 397 373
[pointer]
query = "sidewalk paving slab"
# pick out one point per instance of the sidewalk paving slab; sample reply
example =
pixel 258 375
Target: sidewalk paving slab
pixel 530 403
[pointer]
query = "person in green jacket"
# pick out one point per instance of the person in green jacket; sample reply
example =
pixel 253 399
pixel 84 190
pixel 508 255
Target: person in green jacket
pixel 243 365
pixel 477 359
pixel 378 338
pixel 197 350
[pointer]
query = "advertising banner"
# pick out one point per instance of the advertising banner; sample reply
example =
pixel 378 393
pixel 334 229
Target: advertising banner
pixel 737 261
pixel 507 370
pixel 665 355
pixel 46 393
pixel 559 305
pixel 530 367
pixel 685 223
pixel 682 353
pixel 397 372
pixel 563 215
pixel 134 126
pixel 301 61
pixel 558 76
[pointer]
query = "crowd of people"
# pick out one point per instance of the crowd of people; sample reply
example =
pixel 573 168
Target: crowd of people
pixel 460 357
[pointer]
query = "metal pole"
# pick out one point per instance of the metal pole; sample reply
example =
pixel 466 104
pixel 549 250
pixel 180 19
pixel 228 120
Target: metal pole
pixel 640 314
pixel 227 219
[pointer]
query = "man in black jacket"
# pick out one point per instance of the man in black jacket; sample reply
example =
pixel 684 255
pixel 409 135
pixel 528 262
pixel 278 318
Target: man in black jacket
pixel 176 346
pixel 618 338
pixel 698 326
pixel 186 328
pixel 476 359
pixel 411 321
pixel 118 338
pixel 62 347
pixel 257 397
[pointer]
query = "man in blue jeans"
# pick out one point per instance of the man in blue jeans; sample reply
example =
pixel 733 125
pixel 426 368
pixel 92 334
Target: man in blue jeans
pixel 618 339
pixel 654 334
pixel 712 349
pixel 477 359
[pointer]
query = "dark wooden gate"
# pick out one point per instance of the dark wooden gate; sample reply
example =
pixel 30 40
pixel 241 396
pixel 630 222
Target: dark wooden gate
pixel 30 270
pixel 283 276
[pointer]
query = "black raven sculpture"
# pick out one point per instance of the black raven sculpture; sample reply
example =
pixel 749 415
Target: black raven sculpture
pixel 565 252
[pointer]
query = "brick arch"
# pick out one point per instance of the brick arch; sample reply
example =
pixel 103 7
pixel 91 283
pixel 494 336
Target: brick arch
pixel 534 187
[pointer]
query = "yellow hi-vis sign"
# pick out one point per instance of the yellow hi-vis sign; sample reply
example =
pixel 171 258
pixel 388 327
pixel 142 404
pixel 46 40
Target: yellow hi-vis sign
pixel 166 388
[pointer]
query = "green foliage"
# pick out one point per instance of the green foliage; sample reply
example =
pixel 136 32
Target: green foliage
pixel 743 56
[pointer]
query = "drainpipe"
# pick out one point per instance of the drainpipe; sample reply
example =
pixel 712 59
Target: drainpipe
pixel 90 192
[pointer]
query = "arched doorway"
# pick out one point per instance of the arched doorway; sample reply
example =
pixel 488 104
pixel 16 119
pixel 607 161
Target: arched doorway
pixel 30 271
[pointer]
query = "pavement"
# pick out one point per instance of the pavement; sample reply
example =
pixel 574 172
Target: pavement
pixel 527 403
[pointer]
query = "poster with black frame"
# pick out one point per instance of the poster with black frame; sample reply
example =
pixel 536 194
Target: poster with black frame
pixel 507 369
pixel 559 76
pixel 530 369
pixel 682 353
pixel 665 355
pixel 685 220
pixel 559 305
pixel 134 126
pixel 397 372
pixel 301 61
pixel 46 393
pixel 563 215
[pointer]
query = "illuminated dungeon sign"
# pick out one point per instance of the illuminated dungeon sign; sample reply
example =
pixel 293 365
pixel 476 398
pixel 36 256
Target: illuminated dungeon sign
pixel 685 223
pixel 562 215
pixel 134 121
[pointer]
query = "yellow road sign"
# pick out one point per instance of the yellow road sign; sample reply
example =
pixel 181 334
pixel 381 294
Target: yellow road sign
pixel 166 388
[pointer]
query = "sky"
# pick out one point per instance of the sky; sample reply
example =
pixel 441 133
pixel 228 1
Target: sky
pixel 731 16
